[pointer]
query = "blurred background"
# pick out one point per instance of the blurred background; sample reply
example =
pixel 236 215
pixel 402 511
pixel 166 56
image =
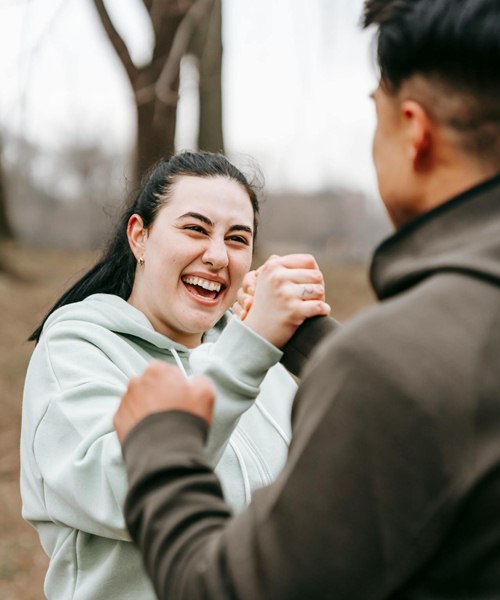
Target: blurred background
pixel 94 91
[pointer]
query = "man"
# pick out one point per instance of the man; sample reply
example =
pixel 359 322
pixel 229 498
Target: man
pixel 392 487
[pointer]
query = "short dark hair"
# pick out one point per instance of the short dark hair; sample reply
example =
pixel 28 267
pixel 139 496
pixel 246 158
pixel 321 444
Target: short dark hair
pixel 114 273
pixel 455 46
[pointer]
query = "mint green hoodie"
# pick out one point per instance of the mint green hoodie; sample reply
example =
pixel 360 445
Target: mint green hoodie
pixel 73 480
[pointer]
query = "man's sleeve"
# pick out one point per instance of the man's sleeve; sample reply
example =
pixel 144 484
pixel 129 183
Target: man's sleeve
pixel 305 341
pixel 362 502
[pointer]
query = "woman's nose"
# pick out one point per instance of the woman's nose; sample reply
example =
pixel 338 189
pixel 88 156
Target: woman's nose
pixel 216 254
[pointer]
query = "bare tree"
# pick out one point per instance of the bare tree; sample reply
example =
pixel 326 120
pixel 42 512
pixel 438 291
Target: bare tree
pixel 156 84
pixel 5 228
pixel 207 47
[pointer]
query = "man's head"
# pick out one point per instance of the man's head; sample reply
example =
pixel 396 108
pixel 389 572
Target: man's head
pixel 438 102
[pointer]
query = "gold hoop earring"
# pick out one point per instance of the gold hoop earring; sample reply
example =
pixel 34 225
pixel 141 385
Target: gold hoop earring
pixel 141 261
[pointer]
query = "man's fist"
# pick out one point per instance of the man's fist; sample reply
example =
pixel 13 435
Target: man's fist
pixel 160 388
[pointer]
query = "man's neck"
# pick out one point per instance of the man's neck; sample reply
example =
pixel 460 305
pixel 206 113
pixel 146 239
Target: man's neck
pixel 451 184
pixel 446 183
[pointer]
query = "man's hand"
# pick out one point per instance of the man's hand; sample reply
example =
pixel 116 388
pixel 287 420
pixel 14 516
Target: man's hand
pixel 163 387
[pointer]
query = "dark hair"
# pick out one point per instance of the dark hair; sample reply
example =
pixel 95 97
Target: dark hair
pixel 114 273
pixel 455 46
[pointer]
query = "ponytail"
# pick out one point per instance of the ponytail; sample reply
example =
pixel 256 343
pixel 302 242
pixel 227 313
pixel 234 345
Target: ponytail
pixel 114 274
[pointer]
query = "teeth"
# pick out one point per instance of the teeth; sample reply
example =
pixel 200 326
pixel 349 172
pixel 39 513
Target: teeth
pixel 212 286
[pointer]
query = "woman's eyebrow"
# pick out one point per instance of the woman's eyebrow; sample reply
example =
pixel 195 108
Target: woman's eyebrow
pixel 207 221
pixel 241 228
pixel 198 216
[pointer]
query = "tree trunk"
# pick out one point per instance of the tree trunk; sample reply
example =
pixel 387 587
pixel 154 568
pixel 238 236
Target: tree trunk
pixel 5 228
pixel 156 85
pixel 209 52
pixel 156 122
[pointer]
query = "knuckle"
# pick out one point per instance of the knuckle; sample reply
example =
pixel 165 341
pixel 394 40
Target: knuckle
pixel 321 307
pixel 132 383
pixel 249 279
pixel 276 277
pixel 265 268
pixel 309 260
pixel 155 367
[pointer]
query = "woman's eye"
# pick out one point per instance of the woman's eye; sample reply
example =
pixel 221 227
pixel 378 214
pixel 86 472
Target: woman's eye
pixel 239 239
pixel 197 228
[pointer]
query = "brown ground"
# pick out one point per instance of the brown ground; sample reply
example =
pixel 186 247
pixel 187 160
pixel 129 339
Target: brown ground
pixel 41 276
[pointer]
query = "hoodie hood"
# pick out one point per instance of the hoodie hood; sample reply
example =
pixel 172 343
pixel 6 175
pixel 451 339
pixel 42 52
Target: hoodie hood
pixel 461 235
pixel 115 314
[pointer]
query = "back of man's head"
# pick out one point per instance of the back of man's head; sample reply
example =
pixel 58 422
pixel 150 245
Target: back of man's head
pixel 447 53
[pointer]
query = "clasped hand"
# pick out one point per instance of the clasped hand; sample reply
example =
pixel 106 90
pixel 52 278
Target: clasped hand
pixel 280 295
pixel 273 301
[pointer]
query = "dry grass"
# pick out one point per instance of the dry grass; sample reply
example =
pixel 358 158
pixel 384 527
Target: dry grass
pixel 41 276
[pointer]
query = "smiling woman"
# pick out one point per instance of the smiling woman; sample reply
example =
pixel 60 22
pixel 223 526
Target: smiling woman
pixel 161 291
pixel 194 258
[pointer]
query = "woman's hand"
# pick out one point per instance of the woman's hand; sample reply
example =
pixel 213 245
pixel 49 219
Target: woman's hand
pixel 245 294
pixel 280 295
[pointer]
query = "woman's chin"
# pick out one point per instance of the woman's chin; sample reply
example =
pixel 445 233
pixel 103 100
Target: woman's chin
pixel 202 323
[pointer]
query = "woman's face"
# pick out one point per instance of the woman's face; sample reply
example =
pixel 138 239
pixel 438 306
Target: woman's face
pixel 196 254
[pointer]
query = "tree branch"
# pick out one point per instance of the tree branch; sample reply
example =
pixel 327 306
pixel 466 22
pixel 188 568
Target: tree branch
pixel 164 85
pixel 117 42
pixel 163 15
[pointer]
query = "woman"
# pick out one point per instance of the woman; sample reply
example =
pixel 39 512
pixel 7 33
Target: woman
pixel 164 286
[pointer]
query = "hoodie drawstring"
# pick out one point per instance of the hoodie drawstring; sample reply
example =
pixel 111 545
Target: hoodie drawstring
pixel 232 443
pixel 272 421
pixel 179 362
pixel 244 470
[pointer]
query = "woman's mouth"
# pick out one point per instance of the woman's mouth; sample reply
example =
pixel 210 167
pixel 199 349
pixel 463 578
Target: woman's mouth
pixel 203 288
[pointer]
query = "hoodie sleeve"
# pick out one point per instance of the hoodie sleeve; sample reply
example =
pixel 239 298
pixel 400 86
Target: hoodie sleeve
pixel 298 350
pixel 74 446
pixel 237 364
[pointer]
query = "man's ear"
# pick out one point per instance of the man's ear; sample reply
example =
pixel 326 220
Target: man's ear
pixel 136 235
pixel 419 133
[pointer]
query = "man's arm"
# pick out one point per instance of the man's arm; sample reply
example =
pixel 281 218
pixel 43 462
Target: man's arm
pixel 349 518
pixel 305 341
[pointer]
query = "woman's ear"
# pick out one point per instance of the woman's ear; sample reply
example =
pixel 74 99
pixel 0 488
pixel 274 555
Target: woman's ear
pixel 136 235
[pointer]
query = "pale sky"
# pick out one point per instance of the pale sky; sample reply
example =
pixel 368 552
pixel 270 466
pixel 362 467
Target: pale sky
pixel 296 79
